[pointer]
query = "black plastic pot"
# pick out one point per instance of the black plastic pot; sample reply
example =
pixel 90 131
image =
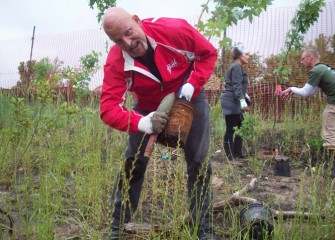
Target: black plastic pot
pixel 282 167
pixel 256 221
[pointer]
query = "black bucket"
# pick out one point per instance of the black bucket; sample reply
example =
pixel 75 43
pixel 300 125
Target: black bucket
pixel 282 167
pixel 256 221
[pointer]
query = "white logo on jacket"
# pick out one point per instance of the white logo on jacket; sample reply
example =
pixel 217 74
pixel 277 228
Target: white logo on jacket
pixel 171 65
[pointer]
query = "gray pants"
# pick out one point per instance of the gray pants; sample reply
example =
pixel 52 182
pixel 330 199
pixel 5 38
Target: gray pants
pixel 328 126
pixel 127 189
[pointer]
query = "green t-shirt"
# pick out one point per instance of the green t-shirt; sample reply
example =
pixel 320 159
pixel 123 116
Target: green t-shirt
pixel 323 76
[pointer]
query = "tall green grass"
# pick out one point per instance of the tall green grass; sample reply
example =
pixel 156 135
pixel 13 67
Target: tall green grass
pixel 61 161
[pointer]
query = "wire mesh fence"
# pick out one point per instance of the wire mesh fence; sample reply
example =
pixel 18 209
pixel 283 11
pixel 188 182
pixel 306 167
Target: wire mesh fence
pixel 264 37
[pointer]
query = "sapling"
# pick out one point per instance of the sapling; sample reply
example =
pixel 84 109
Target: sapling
pixel 307 13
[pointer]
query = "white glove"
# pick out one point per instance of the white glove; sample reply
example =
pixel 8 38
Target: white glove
pixel 243 103
pixel 187 91
pixel 145 124
pixel 247 96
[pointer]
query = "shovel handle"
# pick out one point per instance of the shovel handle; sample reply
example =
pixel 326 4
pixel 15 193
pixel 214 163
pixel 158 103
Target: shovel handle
pixel 150 145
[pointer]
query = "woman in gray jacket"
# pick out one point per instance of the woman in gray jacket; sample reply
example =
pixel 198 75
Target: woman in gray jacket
pixel 234 101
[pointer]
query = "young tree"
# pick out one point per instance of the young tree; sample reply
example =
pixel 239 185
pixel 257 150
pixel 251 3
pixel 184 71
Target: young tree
pixel 102 6
pixel 307 13
pixel 26 71
pixel 225 14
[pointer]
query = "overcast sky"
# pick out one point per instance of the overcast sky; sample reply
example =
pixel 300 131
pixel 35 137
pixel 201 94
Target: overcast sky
pixel 18 18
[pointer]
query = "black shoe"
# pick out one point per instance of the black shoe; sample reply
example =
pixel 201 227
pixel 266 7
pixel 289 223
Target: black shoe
pixel 229 148
pixel 207 236
pixel 238 149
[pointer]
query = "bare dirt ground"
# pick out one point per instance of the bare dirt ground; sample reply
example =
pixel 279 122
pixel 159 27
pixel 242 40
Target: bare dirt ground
pixel 277 192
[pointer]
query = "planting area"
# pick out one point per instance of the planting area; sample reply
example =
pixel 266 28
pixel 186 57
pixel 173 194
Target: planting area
pixel 59 161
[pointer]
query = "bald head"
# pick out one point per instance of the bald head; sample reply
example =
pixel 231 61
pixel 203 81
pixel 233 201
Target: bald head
pixel 125 30
pixel 113 17
pixel 312 52
pixel 310 57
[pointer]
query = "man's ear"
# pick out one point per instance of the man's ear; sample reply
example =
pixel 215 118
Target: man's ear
pixel 137 19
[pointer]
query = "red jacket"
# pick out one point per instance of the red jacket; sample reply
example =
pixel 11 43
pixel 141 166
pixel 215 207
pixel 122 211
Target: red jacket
pixel 176 46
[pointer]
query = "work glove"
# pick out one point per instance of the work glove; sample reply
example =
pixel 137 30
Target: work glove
pixel 247 98
pixel 187 91
pixel 153 123
pixel 244 104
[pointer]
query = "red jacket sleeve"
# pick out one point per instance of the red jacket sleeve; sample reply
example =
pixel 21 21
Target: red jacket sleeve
pixel 113 111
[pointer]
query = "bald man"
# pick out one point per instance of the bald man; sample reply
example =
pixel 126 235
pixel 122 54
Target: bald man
pixel 152 58
pixel 321 76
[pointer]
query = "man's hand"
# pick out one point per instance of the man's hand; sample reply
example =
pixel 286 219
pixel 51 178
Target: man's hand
pixel 153 123
pixel 286 94
pixel 187 91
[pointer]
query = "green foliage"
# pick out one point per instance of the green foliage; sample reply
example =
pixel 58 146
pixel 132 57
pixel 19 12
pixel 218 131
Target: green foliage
pixel 307 13
pixel 102 6
pixel 80 78
pixel 41 79
pixel 217 125
pixel 26 71
pixel 65 177
pixel 26 126
pixel 90 62
pixel 291 70
pixel 47 77
pixel 60 150
pixel 305 16
pixel 227 13
pixel 44 69
pixel 216 111
pixel 248 130
pixel 316 143
pixel 20 117
pixel 283 71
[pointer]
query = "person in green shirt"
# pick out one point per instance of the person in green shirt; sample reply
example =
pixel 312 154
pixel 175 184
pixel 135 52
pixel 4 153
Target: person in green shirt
pixel 321 76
